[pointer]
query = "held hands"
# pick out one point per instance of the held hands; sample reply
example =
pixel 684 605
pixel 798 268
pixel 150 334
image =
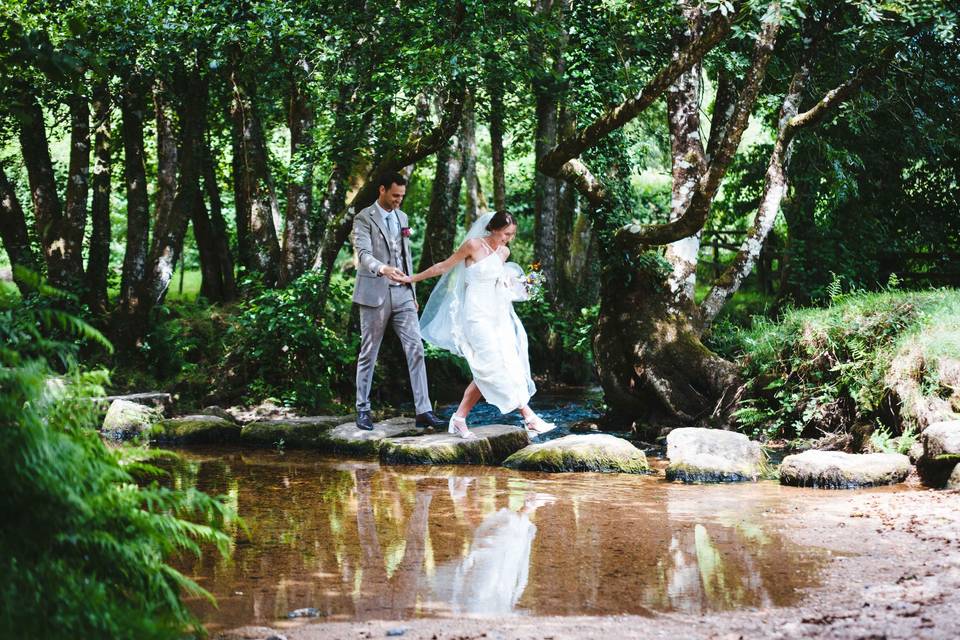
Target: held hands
pixel 395 274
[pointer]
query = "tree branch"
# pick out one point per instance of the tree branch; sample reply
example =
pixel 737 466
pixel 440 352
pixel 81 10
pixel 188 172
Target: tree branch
pixel 638 236
pixel 615 117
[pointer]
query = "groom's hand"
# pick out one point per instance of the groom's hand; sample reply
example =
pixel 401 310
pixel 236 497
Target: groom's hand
pixel 394 274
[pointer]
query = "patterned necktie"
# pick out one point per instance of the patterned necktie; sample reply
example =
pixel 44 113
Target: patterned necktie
pixel 394 225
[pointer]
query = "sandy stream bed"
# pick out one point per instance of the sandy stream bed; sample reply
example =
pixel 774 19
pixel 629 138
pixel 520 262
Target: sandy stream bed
pixel 895 573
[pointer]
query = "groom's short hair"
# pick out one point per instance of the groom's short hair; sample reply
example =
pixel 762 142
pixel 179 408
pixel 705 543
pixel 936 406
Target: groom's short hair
pixel 391 178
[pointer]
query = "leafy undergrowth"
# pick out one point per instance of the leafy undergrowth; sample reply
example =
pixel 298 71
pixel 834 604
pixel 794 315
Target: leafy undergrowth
pixel 872 365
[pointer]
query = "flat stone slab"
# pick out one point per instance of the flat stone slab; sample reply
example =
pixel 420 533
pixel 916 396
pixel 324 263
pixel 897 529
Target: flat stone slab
pixel 196 429
pixel 839 470
pixel 602 453
pixel 941 453
pixel 298 433
pixel 712 455
pixel 347 438
pixel 126 420
pixel 493 444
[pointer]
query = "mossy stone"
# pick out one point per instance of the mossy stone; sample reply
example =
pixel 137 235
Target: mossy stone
pixel 493 444
pixel 712 455
pixel 601 453
pixel 296 433
pixel 839 470
pixel 126 420
pixel 196 429
pixel 346 438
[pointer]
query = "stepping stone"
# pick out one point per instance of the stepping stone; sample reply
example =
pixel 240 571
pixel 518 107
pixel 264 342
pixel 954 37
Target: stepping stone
pixel 161 401
pixel 298 433
pixel 493 444
pixel 590 452
pixel 712 455
pixel 941 453
pixel 196 429
pixel 126 420
pixel 839 470
pixel 347 438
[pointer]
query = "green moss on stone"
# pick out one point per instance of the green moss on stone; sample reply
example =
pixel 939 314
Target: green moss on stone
pixel 585 453
pixel 691 474
pixel 300 433
pixel 195 430
pixel 493 444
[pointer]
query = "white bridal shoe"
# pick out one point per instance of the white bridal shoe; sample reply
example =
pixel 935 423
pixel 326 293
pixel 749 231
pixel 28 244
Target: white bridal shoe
pixel 458 426
pixel 536 425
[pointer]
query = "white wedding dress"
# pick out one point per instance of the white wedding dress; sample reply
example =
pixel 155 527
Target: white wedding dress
pixel 470 313
pixel 494 342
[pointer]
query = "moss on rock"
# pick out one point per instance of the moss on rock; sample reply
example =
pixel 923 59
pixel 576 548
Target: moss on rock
pixel 126 420
pixel 297 433
pixel 493 444
pixel 601 453
pixel 196 429
pixel 712 455
pixel 346 438
pixel 838 470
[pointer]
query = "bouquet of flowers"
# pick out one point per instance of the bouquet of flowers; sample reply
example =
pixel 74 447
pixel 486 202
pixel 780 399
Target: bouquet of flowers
pixel 524 286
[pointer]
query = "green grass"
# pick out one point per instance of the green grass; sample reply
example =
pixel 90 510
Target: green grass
pixel 891 357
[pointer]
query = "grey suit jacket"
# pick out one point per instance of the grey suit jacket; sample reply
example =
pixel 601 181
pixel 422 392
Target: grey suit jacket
pixel 373 251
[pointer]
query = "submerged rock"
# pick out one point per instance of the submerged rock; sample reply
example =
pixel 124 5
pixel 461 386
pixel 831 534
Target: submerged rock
pixel 493 444
pixel 126 419
pixel 195 429
pixel 347 438
pixel 588 452
pixel 941 453
pixel 838 470
pixel 298 433
pixel 712 455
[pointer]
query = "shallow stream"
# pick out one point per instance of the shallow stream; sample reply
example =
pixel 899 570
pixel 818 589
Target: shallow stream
pixel 356 540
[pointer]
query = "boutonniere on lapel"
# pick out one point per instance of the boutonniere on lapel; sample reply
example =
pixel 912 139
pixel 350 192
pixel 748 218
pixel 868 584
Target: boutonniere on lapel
pixel 406 232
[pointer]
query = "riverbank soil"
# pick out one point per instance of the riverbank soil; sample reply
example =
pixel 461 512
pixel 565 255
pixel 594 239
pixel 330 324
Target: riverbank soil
pixel 894 572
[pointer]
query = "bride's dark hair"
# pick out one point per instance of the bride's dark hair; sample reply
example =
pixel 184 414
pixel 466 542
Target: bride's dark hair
pixel 500 220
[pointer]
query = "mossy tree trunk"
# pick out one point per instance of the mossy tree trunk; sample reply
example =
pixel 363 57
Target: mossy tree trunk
pixel 653 368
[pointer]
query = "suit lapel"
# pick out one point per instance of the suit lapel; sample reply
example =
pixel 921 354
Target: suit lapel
pixel 378 220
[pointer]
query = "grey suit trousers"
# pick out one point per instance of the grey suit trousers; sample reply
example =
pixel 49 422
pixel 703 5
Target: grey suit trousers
pixel 399 310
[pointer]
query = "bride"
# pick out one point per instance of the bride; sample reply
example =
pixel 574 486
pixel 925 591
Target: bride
pixel 470 313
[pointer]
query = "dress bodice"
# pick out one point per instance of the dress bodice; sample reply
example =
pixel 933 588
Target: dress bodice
pixel 485 270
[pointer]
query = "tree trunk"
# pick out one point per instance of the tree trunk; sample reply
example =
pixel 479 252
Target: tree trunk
pixel 14 233
pixel 98 260
pixel 211 283
pixel 468 149
pixel 138 205
pixel 259 198
pixel 298 248
pixel 442 217
pixel 218 227
pixel 64 265
pixel 495 89
pixel 169 232
pixel 78 177
pixel 547 112
pixel 688 161
pixel 653 368
pixel 167 160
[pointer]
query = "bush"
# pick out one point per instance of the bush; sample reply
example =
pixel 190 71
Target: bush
pixel 891 358
pixel 282 343
pixel 83 547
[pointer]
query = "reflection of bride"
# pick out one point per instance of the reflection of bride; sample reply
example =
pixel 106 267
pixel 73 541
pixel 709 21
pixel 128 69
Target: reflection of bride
pixel 492 576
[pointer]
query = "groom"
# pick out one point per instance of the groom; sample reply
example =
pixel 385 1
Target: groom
pixel 380 237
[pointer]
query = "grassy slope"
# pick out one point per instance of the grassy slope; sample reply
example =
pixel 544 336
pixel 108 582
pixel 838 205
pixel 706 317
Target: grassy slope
pixel 891 357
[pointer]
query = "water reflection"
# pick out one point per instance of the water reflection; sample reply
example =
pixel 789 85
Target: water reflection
pixel 360 541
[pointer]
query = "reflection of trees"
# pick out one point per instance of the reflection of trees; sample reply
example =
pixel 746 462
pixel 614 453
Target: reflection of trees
pixel 355 540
